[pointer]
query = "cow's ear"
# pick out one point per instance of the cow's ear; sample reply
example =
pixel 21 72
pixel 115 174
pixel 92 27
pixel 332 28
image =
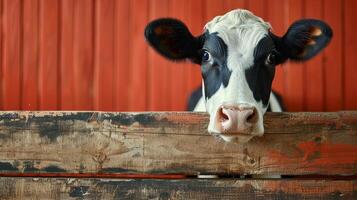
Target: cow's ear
pixel 304 39
pixel 172 39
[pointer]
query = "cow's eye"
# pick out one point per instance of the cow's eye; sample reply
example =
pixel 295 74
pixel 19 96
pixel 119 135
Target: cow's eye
pixel 206 56
pixel 271 59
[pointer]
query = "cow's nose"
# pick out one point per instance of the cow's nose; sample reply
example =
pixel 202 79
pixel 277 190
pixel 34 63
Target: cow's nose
pixel 238 119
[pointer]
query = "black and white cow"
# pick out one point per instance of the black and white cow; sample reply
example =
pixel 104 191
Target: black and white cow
pixel 238 54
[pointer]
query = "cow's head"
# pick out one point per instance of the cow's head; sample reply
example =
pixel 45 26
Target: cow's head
pixel 238 54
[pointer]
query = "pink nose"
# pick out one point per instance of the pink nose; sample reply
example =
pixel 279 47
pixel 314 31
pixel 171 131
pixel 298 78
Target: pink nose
pixel 236 119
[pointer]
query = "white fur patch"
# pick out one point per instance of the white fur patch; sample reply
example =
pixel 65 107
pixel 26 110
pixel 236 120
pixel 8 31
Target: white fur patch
pixel 200 106
pixel 234 19
pixel 274 103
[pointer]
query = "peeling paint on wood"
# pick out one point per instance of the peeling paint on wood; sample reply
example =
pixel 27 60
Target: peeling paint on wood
pixel 46 188
pixel 176 143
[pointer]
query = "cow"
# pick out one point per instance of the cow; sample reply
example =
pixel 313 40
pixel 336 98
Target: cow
pixel 238 54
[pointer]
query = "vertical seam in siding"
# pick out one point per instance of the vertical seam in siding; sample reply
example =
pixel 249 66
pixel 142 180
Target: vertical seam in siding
pixel 265 11
pixel 285 70
pixel 115 59
pixel 113 47
pixel 128 64
pixel 39 22
pixel 246 3
pixel 21 53
pixel 149 68
pixel 304 86
pixel 37 55
pixel 95 104
pixel 147 60
pixel 59 54
pixel 73 104
pixel 286 20
pixel 1 51
pixel 168 73
pixel 130 37
pixel 323 64
pixel 343 53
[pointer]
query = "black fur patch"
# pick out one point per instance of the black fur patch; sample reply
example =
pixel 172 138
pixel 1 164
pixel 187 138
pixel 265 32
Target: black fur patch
pixel 304 39
pixel 172 39
pixel 194 98
pixel 260 76
pixel 216 72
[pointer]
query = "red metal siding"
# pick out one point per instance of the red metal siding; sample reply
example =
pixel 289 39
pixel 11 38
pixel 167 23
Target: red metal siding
pixel 350 55
pixel 91 54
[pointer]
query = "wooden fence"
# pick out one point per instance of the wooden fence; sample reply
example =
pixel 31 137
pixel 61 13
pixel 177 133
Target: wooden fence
pixel 100 155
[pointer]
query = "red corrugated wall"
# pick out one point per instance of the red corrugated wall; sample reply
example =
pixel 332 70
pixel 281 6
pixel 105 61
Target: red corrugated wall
pixel 91 54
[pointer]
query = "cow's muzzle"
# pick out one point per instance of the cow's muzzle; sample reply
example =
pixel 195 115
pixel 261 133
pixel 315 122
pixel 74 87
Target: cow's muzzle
pixel 238 120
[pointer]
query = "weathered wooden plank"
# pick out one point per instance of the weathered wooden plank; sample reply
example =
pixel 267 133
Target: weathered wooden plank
pixel 50 188
pixel 161 143
pixel 190 123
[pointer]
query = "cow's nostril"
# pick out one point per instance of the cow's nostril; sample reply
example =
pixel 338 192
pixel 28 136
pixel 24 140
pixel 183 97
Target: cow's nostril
pixel 253 117
pixel 222 115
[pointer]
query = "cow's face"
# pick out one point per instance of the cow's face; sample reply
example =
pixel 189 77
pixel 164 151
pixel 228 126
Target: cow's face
pixel 238 55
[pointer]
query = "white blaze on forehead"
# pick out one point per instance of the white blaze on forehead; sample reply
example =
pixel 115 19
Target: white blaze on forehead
pixel 236 19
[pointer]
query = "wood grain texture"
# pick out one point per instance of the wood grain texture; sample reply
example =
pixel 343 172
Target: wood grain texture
pixel 43 188
pixel 162 143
